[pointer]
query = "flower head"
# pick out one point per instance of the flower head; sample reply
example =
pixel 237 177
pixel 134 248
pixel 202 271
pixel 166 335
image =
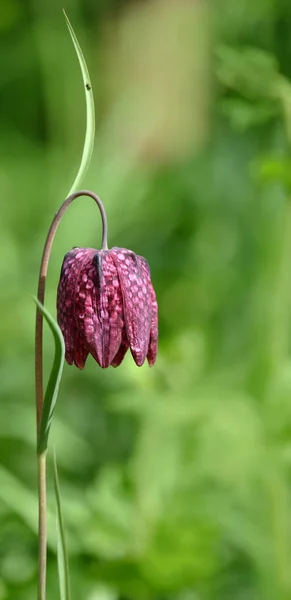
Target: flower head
pixel 106 304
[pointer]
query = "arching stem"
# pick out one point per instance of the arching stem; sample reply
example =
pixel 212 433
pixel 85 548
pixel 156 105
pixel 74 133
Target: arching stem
pixel 42 527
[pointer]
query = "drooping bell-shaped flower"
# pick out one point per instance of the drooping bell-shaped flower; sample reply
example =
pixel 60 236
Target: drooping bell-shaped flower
pixel 106 304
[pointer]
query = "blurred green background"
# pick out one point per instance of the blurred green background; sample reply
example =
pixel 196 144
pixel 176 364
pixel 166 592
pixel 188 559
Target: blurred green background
pixel 176 480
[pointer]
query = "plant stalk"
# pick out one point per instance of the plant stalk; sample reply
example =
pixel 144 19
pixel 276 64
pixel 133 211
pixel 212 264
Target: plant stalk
pixel 42 527
pixel 41 459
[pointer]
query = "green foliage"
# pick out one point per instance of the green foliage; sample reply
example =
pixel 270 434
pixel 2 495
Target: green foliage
pixel 176 479
pixel 250 71
pixel 90 112
pixel 52 388
pixel 63 559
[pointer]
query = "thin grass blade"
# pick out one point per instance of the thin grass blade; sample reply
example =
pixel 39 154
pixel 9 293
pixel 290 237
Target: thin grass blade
pixel 90 112
pixel 63 559
pixel 54 379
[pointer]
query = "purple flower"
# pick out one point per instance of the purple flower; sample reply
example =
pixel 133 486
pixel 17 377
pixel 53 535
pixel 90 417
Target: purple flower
pixel 106 304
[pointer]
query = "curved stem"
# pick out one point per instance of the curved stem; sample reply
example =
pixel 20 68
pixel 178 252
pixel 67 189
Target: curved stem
pixel 39 371
pixel 41 286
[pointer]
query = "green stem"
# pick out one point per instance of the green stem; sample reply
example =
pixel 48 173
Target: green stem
pixel 39 373
pixel 42 540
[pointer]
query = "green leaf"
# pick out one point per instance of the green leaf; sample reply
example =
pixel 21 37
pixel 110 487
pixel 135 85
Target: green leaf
pixel 238 69
pixel 54 379
pixel 244 114
pixel 63 559
pixel 90 112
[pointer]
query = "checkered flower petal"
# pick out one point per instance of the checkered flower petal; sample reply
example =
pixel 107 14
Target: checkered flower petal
pixel 106 304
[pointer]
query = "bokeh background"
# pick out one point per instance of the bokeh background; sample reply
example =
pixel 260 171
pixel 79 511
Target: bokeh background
pixel 176 480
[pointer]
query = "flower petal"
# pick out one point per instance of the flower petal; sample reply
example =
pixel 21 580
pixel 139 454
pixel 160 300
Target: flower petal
pixel 66 304
pixel 137 302
pixel 81 353
pixel 109 308
pixel 153 345
pixel 120 354
pixel 98 306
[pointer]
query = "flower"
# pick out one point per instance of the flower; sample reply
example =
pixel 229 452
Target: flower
pixel 106 304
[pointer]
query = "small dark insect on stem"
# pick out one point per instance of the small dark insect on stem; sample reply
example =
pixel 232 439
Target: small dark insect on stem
pixel 88 86
pixel 42 527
